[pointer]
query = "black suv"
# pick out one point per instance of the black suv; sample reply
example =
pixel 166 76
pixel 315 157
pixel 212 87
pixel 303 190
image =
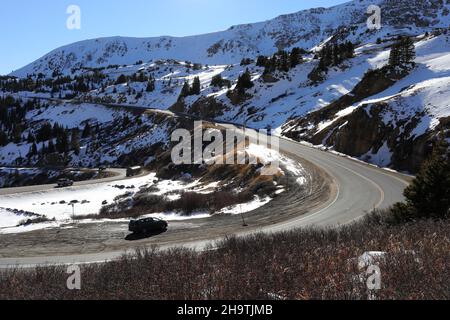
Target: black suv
pixel 148 225
pixel 62 183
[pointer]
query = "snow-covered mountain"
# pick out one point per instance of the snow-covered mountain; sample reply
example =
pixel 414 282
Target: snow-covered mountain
pixel 306 29
pixel 383 121
pixel 390 128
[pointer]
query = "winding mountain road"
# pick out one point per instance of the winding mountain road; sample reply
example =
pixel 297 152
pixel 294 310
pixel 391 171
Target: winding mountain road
pixel 361 188
pixel 358 189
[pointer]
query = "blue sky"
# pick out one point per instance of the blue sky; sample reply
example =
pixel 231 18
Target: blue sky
pixel 30 29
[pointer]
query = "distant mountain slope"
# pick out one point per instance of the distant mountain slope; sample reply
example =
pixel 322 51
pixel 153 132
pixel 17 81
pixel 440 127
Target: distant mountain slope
pixel 305 29
pixel 388 122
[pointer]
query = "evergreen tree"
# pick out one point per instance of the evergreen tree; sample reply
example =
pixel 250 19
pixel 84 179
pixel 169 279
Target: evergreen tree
pixel 86 131
pixel 141 77
pixel 56 130
pixel 335 55
pixel 62 142
pixel 3 138
pixel 185 91
pixel 31 138
pixel 150 85
pixel 349 48
pixel 244 82
pixel 51 147
pixel 394 56
pixel 196 86
pixel 409 50
pixel 33 150
pixel 429 193
pixel 261 61
pixel 284 63
pixel 126 122
pixel 295 57
pixel 402 53
pixel 17 133
pixel 246 61
pixel 122 79
pixel 327 55
pixel 217 81
pixel 75 141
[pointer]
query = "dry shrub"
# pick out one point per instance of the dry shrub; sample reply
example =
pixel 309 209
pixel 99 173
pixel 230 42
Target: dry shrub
pixel 302 264
pixel 190 202
pixel 187 204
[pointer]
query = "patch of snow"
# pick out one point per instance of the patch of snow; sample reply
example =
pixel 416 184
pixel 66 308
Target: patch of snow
pixel 246 207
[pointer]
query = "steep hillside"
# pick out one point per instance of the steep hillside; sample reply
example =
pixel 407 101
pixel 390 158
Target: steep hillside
pixel 394 127
pixel 241 76
pixel 83 135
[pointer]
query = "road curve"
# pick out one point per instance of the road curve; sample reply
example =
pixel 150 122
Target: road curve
pixel 360 189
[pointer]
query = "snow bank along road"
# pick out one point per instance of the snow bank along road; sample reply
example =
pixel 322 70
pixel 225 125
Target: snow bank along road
pixel 358 189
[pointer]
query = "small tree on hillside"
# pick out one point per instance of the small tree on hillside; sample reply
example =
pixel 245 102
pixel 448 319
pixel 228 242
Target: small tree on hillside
pixel 33 150
pixel 75 141
pixel 244 82
pixel 429 194
pixel 217 81
pixel 150 85
pixel 50 149
pixel 3 138
pixel 196 86
pixel 402 53
pixel 409 50
pixel 86 131
pixel 185 90
pixel 295 57
pixel 122 79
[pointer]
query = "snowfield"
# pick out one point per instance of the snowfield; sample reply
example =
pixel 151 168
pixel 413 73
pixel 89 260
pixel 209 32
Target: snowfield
pixel 62 205
pixel 87 200
pixel 426 90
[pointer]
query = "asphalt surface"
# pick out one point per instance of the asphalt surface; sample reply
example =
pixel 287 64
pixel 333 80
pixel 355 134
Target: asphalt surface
pixel 360 188
pixel 117 175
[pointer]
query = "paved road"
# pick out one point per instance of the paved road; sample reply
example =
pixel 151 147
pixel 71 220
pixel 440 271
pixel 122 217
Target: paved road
pixel 360 189
pixel 118 174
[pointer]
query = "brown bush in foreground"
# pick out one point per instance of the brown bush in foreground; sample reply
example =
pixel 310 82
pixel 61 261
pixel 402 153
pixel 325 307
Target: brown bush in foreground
pixel 302 264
